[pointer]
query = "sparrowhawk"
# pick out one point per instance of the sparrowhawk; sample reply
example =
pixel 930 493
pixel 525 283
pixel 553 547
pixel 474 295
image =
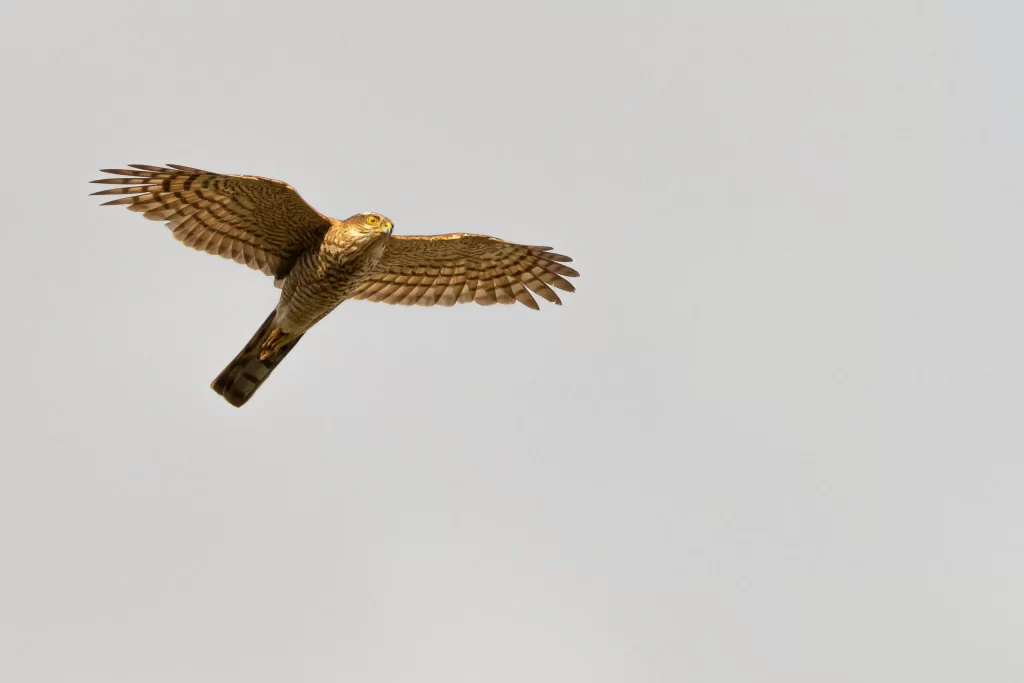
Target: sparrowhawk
pixel 319 262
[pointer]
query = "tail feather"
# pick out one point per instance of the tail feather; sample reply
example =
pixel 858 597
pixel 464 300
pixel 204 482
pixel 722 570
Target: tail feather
pixel 244 375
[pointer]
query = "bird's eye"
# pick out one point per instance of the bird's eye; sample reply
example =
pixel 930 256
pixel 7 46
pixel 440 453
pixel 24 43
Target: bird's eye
pixel 372 220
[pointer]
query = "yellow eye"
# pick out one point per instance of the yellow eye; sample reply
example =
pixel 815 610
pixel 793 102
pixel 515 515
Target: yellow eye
pixel 372 220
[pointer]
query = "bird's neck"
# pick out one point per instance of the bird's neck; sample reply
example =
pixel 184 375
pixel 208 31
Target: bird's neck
pixel 345 238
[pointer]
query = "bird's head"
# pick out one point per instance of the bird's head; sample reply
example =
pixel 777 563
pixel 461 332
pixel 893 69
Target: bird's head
pixel 373 222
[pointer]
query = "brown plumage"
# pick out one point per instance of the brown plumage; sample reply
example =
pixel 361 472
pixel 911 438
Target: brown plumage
pixel 320 262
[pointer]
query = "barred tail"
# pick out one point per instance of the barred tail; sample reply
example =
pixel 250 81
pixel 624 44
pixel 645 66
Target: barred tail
pixel 244 375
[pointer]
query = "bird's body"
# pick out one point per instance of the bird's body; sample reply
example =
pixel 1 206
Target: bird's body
pixel 319 262
pixel 320 280
pixel 323 278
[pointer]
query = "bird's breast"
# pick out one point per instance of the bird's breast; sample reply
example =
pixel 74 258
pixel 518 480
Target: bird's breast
pixel 350 262
pixel 323 279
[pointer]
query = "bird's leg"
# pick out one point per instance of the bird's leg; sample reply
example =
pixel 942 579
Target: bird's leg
pixel 273 343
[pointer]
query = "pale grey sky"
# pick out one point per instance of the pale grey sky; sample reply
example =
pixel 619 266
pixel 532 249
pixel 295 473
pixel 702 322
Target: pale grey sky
pixel 776 435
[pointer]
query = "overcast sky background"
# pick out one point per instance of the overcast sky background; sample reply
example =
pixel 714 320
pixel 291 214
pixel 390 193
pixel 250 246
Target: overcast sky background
pixel 776 435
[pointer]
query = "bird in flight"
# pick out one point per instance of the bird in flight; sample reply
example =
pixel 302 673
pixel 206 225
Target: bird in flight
pixel 319 262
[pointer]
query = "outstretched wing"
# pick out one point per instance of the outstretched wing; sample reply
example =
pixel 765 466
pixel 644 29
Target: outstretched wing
pixel 260 222
pixel 458 268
